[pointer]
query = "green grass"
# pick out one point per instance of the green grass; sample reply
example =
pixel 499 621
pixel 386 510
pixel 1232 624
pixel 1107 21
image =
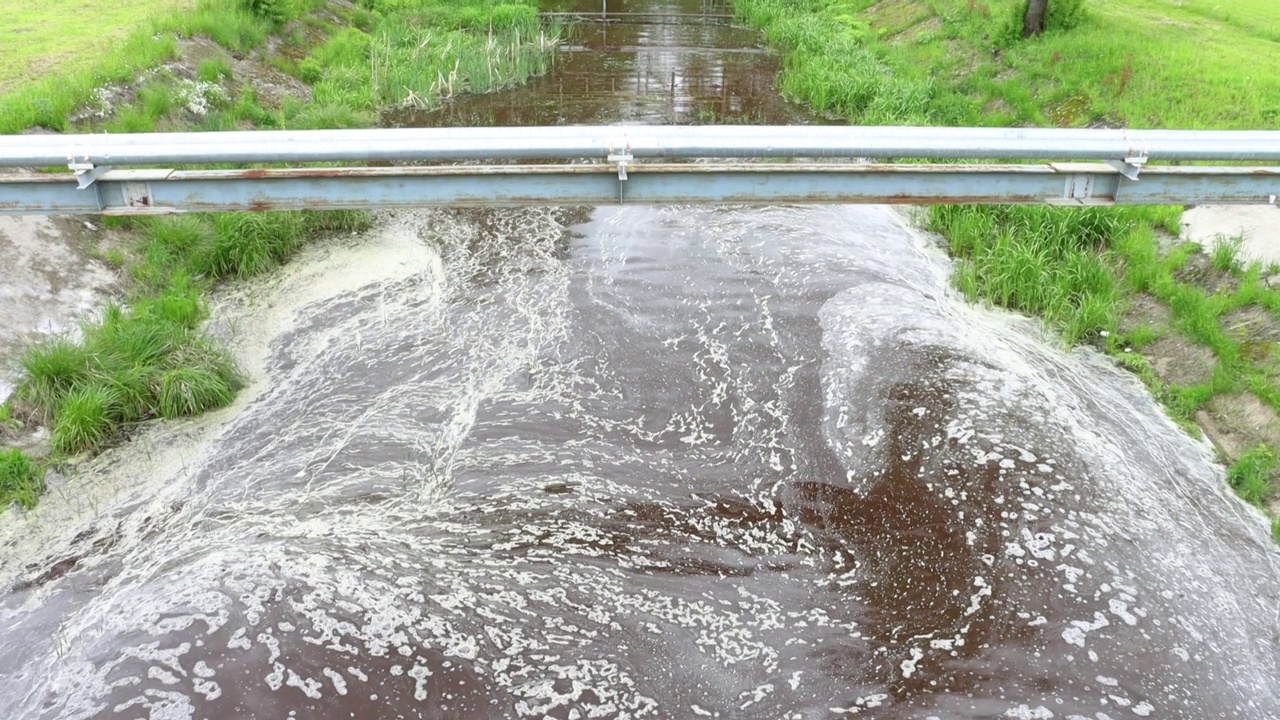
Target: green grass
pixel 7 420
pixel 228 23
pixel 67 37
pixel 1145 62
pixel 1252 476
pixel 417 66
pixel 248 244
pixel 1040 260
pixel 51 371
pixel 417 54
pixel 1226 255
pixel 50 101
pixel 1137 63
pixel 85 419
pixel 90 391
pixel 215 70
pixel 396 53
pixel 21 479
pixel 190 390
pixel 114 257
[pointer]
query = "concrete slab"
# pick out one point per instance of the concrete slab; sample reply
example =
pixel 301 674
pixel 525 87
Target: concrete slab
pixel 1259 224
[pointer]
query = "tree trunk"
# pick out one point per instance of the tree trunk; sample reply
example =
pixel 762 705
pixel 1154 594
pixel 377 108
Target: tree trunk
pixel 1033 22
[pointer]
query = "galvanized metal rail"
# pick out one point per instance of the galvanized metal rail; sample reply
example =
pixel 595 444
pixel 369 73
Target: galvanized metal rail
pixel 633 164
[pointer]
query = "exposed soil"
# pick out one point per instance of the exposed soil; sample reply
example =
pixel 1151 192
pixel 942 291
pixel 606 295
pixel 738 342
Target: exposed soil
pixel 1252 323
pixel 1238 422
pixel 50 277
pixel 998 106
pixel 1199 271
pixel 1257 331
pixel 895 15
pixel 1145 310
pixel 1177 361
pixel 917 30
pixel 271 84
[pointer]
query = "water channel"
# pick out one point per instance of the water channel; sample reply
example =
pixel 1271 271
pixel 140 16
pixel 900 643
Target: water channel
pixel 669 462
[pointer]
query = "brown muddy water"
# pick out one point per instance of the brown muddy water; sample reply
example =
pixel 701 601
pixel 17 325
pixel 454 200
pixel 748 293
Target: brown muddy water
pixel 671 462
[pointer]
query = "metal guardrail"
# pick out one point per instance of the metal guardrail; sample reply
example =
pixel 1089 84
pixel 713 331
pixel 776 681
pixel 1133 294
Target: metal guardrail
pixel 638 164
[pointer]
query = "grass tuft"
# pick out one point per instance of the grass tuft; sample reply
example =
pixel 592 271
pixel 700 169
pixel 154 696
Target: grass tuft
pixel 190 391
pixel 51 371
pixel 1251 476
pixel 335 221
pixel 86 419
pixel 215 70
pixel 21 479
pixel 1226 255
pixel 7 420
pixel 249 244
pixel 1041 260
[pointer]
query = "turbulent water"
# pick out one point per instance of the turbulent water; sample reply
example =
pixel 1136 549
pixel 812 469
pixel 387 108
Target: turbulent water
pixel 667 463
pixel 644 463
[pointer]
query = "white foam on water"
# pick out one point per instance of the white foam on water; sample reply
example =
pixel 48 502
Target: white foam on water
pixel 1133 487
pixel 448 489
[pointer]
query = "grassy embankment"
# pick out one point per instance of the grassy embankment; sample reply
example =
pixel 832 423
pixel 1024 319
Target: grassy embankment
pixel 1136 63
pixel 59 37
pixel 146 356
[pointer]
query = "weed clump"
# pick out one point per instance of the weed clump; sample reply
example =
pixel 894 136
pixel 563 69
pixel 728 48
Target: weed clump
pixel 21 479
pixel 1225 256
pixel 1251 475
pixel 85 416
pixel 214 70
pixel 121 372
pixel 248 244
pixel 274 11
pixel 190 390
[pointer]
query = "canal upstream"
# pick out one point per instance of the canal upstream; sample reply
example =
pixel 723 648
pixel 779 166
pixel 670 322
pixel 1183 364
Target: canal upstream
pixel 669 462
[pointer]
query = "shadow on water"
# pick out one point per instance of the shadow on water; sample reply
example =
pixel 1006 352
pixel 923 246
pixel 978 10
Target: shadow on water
pixel 658 462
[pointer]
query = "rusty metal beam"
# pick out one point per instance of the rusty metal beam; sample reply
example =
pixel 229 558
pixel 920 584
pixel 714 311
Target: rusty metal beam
pixel 126 192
